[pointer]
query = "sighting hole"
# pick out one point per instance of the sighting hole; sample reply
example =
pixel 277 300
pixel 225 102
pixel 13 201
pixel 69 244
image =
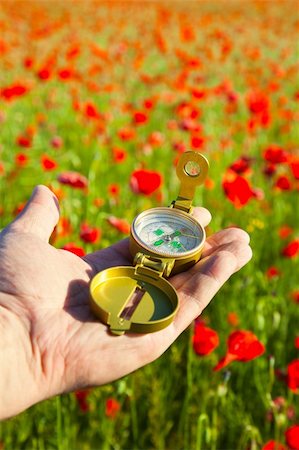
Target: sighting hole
pixel 192 168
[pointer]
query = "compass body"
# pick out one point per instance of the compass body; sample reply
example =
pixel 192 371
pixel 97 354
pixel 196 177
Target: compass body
pixel 163 241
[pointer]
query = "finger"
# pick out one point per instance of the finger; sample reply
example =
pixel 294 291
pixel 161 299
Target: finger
pixel 224 237
pixel 202 215
pixel 40 214
pixel 200 286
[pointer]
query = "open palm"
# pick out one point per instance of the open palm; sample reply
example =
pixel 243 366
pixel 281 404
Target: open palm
pixel 51 342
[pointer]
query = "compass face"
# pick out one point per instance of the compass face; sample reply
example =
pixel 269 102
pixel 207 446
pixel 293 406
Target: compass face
pixel 168 232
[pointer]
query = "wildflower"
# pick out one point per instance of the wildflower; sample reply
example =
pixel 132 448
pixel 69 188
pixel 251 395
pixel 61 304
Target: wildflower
pixel 91 111
pixel 272 272
pixel 140 117
pixel 273 445
pixel 291 250
pixel 233 319
pixel 292 437
pixel 24 141
pixel 241 165
pixel 126 134
pixel 204 340
pixel 237 189
pixel 56 142
pixel 73 179
pixel 21 159
pixel 114 189
pixel 283 183
pixel 120 224
pixel 156 139
pixel 81 397
pixel 293 376
pixel 284 231
pixel 275 154
pixel 74 248
pixel 112 408
pixel 294 166
pixel 48 163
pixel 295 296
pixel 242 346
pixel 145 181
pixel 15 90
pixel 44 74
pixel 89 234
pixel 297 342
pixel 119 154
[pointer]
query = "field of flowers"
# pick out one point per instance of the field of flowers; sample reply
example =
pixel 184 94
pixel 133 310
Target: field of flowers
pixel 97 101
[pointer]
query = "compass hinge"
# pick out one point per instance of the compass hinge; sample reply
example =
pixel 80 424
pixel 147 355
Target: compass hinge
pixel 183 204
pixel 152 266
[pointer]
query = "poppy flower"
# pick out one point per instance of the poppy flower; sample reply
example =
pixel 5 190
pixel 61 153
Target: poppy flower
pixel 21 159
pixel 114 189
pixel 242 346
pixel 112 408
pixel 285 231
pixel 156 139
pixel 48 163
pixel 44 74
pixel 145 181
pixel 233 319
pixel 120 224
pixel 294 166
pixel 15 90
pixel 273 445
pixel 91 111
pixel 73 179
pixel 56 142
pixel 24 141
pixel 238 190
pixel 74 248
pixel 126 134
pixel 293 376
pixel 140 117
pixel 119 154
pixel 89 234
pixel 292 249
pixel 292 437
pixel 204 340
pixel 275 154
pixel 257 102
pixel 295 296
pixel 81 397
pixel 241 165
pixel 283 183
pixel 297 342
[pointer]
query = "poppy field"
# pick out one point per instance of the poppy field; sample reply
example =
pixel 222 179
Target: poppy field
pixel 97 102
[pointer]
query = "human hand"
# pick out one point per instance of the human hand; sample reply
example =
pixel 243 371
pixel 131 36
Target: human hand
pixel 50 341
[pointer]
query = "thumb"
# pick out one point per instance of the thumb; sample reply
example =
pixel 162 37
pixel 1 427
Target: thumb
pixel 40 215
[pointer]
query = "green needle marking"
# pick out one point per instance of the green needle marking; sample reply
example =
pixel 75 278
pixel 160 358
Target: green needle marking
pixel 177 233
pixel 159 242
pixel 175 244
pixel 158 232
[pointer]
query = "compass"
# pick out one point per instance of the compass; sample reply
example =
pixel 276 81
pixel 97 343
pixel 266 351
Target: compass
pixel 163 241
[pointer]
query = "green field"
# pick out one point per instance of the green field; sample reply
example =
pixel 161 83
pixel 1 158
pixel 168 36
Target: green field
pixel 105 89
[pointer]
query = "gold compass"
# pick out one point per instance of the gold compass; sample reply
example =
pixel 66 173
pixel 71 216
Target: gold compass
pixel 163 241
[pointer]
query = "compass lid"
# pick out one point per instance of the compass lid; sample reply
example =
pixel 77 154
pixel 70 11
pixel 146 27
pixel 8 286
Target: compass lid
pixel 127 300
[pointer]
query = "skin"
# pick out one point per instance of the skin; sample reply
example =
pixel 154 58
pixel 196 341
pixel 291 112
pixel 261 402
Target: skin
pixel 50 341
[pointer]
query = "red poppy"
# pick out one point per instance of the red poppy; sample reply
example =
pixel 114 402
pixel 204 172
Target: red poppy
pixel 140 117
pixel 272 272
pixel 21 159
pixel 56 142
pixel 197 141
pixel 241 165
pixel 24 141
pixel 205 339
pixel 91 111
pixel 114 189
pixel 257 102
pixel 44 73
pixel 297 342
pixel 292 249
pixel 126 134
pixel 242 346
pixel 233 319
pixel 275 154
pixel 293 376
pixel 81 397
pixel 120 224
pixel 156 139
pixel 112 408
pixel 283 183
pixel 292 437
pixel 89 234
pixel 295 296
pixel 119 154
pixel 74 248
pixel 285 231
pixel 238 190
pixel 15 90
pixel 273 445
pixel 294 165
pixel 48 163
pixel 1 168
pixel 73 179
pixel 145 181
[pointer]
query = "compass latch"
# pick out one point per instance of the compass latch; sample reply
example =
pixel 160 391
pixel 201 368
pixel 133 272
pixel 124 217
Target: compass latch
pixel 151 266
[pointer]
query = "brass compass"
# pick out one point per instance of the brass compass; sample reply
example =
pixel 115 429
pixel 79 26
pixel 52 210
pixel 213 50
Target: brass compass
pixel 163 241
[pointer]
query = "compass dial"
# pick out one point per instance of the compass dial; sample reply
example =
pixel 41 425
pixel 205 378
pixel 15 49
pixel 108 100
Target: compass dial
pixel 168 232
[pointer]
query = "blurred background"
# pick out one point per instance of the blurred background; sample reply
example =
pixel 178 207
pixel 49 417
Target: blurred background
pixel 97 101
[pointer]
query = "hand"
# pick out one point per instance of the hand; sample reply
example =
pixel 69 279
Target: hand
pixel 50 341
